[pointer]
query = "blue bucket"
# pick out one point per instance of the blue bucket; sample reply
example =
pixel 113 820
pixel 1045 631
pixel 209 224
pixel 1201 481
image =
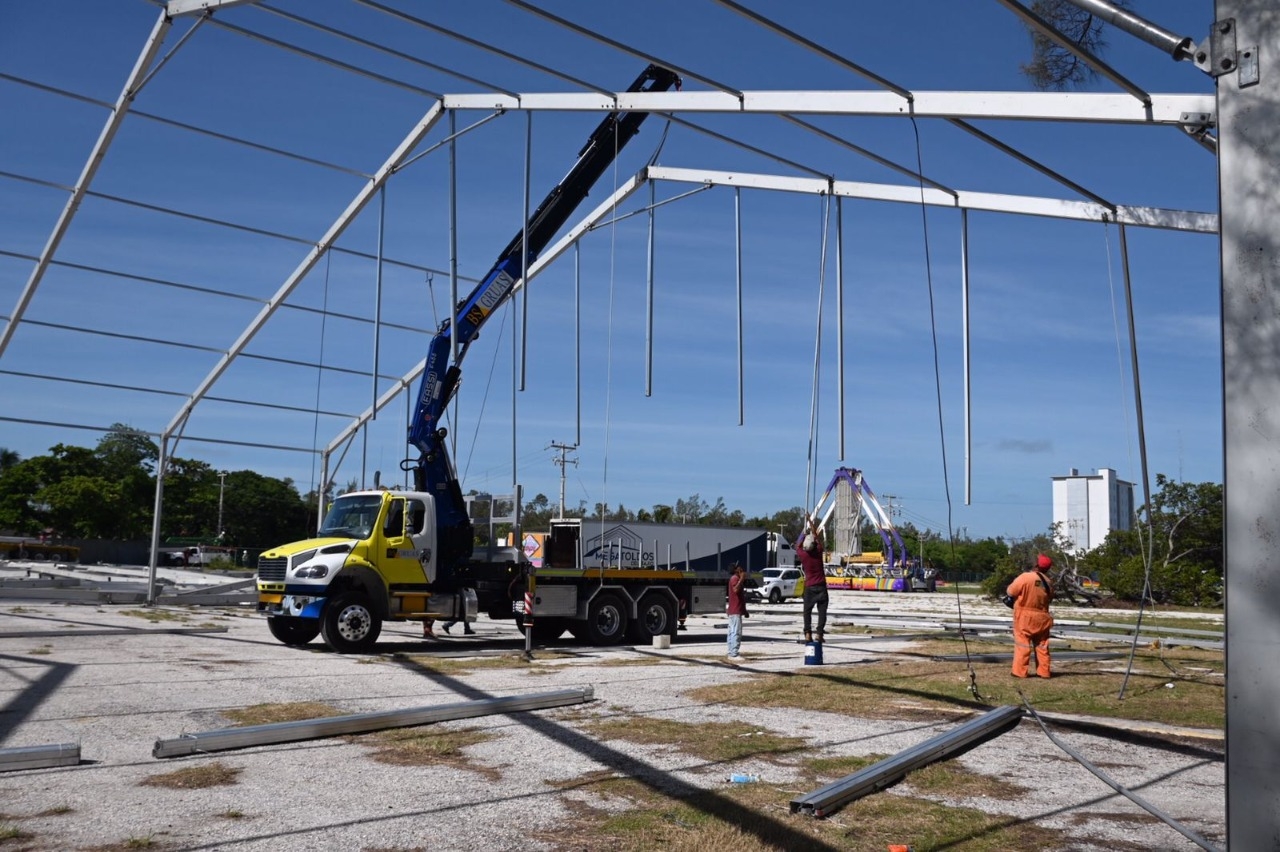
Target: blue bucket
pixel 813 654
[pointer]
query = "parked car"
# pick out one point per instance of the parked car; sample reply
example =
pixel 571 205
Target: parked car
pixel 779 583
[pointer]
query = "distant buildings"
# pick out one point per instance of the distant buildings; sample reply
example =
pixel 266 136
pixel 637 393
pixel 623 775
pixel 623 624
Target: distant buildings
pixel 1086 508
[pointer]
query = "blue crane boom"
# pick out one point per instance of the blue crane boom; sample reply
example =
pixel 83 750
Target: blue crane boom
pixel 433 471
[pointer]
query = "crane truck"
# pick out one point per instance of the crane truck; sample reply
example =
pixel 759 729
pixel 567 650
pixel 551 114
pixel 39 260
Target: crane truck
pixel 387 555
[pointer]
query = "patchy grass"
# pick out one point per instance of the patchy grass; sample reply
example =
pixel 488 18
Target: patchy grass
pixel 198 777
pixel 718 742
pixel 948 778
pixel 630 816
pixel 232 813
pixel 57 810
pixel 430 746
pixel 912 685
pixel 20 609
pixel 42 651
pixel 266 714
pixel 11 834
pixel 157 615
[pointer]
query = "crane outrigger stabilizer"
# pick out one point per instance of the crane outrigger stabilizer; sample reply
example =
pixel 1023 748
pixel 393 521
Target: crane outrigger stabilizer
pixel 433 470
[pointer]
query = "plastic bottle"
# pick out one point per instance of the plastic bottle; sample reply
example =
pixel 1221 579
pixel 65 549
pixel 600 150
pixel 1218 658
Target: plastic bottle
pixel 743 778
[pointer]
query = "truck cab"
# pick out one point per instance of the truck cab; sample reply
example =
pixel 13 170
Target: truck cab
pixel 372 560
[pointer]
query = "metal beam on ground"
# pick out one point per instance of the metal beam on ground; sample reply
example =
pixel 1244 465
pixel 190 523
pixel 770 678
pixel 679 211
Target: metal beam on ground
pixel 39 757
pixel 877 776
pixel 310 729
pixel 112 631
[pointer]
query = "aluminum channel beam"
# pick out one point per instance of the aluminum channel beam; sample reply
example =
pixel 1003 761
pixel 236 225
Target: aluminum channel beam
pixel 310 729
pixel 1166 108
pixel 1057 208
pixel 39 757
pixel 877 776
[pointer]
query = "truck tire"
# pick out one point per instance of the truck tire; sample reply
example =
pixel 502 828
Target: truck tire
pixel 349 625
pixel 606 620
pixel 655 616
pixel 775 595
pixel 293 631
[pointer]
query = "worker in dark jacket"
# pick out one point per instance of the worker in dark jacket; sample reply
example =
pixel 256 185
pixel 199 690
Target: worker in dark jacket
pixel 1031 595
pixel 809 549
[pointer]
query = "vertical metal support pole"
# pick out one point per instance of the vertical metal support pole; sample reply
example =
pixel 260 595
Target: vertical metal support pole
pixel 964 337
pixel 1248 172
pixel 648 297
pixel 408 413
pixel 377 299
pixel 577 343
pixel 515 382
pixel 1137 382
pixel 324 481
pixel 523 293
pixel 161 463
pixel 737 260
pixel 364 453
pixel 840 322
pixel 453 263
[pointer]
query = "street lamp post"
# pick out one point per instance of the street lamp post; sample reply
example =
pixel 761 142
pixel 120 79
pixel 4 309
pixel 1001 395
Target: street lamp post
pixel 222 486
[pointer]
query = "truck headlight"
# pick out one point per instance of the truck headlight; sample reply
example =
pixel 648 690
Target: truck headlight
pixel 312 572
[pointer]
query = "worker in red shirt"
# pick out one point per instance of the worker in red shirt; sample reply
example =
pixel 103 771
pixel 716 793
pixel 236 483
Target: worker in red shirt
pixel 737 608
pixel 1031 595
pixel 809 549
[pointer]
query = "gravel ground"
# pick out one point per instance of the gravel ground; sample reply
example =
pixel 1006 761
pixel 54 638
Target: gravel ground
pixel 116 695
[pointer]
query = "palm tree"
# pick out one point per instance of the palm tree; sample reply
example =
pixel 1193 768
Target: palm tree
pixel 8 458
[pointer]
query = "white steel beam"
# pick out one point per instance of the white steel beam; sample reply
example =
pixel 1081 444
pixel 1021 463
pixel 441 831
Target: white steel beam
pixel 333 726
pixel 1057 208
pixel 136 78
pixel 39 757
pixel 1037 106
pixel 179 8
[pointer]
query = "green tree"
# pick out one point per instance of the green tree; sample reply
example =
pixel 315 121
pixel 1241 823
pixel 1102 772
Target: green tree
pixel 8 458
pixel 1183 537
pixel 1052 66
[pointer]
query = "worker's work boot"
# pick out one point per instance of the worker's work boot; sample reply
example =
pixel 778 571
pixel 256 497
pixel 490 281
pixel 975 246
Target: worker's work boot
pixel 808 637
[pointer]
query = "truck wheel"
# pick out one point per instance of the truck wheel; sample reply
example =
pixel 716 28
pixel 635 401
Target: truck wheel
pixel 349 625
pixel 775 595
pixel 655 616
pixel 606 620
pixel 293 631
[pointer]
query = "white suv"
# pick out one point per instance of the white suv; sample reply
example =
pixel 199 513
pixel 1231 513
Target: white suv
pixel 779 583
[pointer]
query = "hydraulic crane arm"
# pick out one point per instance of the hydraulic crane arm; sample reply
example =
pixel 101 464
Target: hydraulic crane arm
pixel 434 470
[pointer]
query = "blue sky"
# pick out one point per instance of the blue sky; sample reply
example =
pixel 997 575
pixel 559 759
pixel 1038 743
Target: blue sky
pixel 1051 382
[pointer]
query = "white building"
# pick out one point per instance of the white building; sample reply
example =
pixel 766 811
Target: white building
pixel 1086 508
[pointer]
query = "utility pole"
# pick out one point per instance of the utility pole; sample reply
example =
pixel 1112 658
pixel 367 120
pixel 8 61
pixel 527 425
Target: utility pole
pixel 222 486
pixel 561 462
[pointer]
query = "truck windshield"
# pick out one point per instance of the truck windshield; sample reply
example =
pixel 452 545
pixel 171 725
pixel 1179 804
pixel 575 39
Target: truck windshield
pixel 352 517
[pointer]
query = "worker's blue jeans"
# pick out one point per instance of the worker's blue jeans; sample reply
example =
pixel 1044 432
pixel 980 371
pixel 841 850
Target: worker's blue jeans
pixel 735 634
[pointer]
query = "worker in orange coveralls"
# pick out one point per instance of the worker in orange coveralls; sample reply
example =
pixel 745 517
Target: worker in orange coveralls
pixel 1031 594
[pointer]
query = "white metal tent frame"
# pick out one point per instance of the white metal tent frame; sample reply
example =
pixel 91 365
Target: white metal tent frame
pixel 1239 111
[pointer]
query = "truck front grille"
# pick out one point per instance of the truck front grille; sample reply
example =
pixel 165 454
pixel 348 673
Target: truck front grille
pixel 272 570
